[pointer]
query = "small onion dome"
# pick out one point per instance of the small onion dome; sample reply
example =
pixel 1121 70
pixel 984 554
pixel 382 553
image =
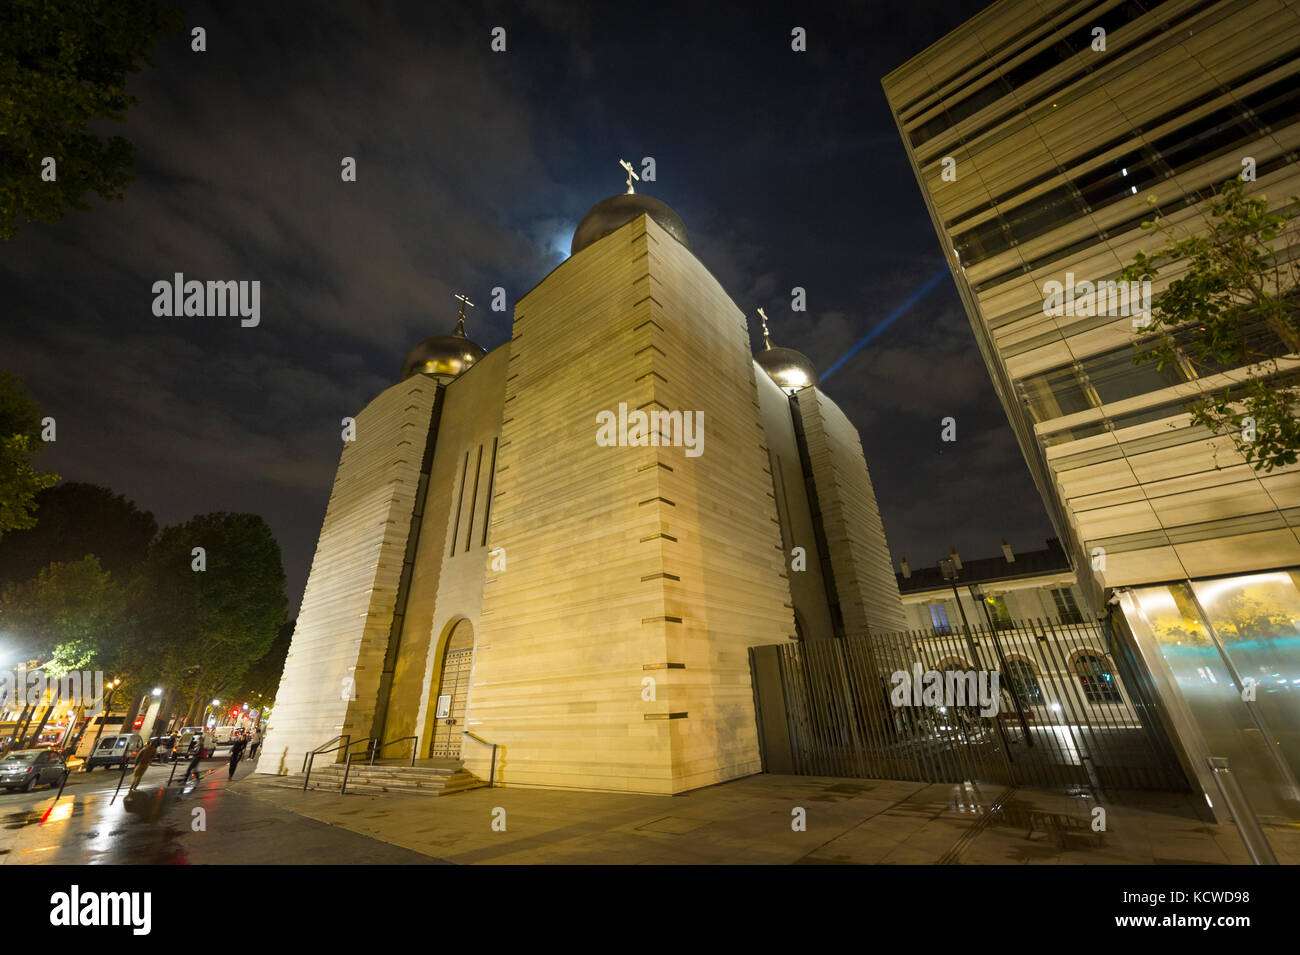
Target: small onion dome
pixel 788 368
pixel 617 211
pixel 442 356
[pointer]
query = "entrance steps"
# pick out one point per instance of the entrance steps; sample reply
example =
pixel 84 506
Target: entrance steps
pixel 428 777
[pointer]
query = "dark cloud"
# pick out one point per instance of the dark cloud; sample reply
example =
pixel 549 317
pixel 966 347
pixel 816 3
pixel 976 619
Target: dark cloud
pixel 473 168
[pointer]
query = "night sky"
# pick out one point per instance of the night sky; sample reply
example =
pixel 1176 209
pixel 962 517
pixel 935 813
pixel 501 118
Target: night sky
pixel 473 168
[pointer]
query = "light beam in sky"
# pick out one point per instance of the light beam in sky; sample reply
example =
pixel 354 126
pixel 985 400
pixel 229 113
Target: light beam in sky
pixel 926 288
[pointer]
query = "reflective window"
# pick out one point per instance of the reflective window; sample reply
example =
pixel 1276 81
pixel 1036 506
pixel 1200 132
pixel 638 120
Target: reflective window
pixel 1255 621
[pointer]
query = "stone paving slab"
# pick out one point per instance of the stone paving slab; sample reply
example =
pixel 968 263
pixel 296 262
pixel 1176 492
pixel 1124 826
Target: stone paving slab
pixel 748 821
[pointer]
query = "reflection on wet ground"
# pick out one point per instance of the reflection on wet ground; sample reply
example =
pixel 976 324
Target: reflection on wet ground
pixel 204 823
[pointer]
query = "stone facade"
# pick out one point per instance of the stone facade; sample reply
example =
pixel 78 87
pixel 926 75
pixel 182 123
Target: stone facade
pixel 612 592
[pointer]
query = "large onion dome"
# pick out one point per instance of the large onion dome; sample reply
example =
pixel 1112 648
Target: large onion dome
pixel 617 211
pixel 443 356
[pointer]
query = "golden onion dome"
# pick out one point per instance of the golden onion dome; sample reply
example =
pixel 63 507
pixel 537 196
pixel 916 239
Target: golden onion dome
pixel 788 368
pixel 442 356
pixel 615 212
pixel 791 370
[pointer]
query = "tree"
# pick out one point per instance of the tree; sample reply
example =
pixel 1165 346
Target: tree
pixel 67 616
pixel 63 65
pixel 70 612
pixel 1234 310
pixel 20 432
pixel 263 677
pixel 199 630
pixel 73 520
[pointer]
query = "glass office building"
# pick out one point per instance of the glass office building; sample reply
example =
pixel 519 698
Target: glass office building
pixel 1038 131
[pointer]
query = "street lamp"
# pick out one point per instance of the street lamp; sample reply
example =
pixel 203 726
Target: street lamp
pixel 977 593
pixel 108 708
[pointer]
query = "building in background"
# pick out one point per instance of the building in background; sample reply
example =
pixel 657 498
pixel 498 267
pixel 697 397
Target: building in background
pixel 1036 149
pixel 521 570
pixel 1036 585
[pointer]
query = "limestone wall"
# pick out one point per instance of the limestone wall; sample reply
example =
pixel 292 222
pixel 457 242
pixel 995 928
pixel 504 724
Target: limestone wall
pixel 860 559
pixel 331 675
pixel 628 562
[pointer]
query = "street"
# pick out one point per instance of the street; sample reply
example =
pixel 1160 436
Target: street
pixel 165 825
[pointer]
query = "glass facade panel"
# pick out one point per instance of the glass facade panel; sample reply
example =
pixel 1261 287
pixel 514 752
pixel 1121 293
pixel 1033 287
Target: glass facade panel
pixel 1259 616
pixel 1257 619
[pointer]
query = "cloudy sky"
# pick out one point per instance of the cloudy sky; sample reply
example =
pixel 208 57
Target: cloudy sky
pixel 473 169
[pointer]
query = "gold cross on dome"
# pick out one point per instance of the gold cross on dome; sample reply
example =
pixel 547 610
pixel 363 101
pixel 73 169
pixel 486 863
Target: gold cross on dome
pixel 460 321
pixel 767 343
pixel 630 176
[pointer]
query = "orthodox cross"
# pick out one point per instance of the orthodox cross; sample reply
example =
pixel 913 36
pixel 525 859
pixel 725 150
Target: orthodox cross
pixel 630 175
pixel 460 321
pixel 766 341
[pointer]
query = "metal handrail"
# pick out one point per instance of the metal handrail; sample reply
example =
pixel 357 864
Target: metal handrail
pixel 414 742
pixel 311 757
pixel 319 749
pixel 492 767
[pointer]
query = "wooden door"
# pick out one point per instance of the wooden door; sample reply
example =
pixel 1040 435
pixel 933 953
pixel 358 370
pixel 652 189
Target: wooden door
pixel 453 692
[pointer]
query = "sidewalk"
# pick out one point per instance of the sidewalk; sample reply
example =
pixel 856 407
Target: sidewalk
pixel 748 821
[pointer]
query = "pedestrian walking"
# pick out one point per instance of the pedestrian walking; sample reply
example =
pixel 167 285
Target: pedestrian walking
pixel 143 762
pixel 254 741
pixel 196 754
pixel 236 751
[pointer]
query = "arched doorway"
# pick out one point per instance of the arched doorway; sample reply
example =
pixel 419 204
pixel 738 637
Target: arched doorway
pixel 453 692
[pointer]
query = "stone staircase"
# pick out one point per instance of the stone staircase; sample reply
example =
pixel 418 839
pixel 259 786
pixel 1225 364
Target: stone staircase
pixel 428 777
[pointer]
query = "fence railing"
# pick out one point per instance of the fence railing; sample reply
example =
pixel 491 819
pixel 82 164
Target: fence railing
pixel 1035 703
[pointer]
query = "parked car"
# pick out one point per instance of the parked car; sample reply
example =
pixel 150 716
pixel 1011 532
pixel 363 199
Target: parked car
pixel 119 750
pixel 26 769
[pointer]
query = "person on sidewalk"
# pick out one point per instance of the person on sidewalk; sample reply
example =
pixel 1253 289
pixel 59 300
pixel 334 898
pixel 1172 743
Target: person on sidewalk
pixel 196 754
pixel 254 741
pixel 236 751
pixel 143 762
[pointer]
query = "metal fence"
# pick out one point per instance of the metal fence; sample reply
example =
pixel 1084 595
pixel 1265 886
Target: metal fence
pixel 1071 708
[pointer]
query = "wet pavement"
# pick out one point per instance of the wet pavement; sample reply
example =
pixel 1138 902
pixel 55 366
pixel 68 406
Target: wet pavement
pixel 260 820
pixel 205 823
pixel 752 821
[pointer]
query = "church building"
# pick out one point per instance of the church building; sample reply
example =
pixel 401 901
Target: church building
pixel 549 561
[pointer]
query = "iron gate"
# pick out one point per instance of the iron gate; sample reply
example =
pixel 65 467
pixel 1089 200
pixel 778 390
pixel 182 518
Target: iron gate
pixel 1071 708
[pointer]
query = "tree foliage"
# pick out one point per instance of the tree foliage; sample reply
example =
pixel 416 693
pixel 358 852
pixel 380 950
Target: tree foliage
pixel 20 433
pixel 1234 310
pixel 200 630
pixel 73 520
pixel 71 612
pixel 62 66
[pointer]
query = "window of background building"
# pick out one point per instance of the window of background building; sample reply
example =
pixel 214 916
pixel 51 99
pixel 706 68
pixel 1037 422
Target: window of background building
pixel 998 611
pixel 1025 680
pixel 939 617
pixel 1066 608
pixel 1096 678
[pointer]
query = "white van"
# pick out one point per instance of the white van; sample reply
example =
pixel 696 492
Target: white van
pixel 118 750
